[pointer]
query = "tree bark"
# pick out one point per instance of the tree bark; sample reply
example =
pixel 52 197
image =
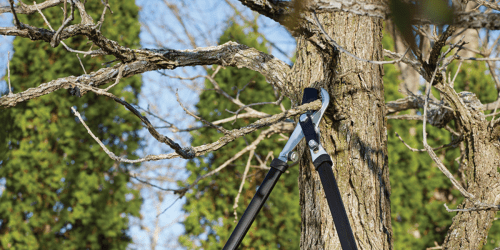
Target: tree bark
pixel 353 132
pixel 469 230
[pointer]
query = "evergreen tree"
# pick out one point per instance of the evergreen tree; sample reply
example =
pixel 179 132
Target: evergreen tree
pixel 61 190
pixel 209 205
pixel 419 189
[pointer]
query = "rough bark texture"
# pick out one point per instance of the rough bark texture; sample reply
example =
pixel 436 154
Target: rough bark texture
pixel 353 133
pixel 470 229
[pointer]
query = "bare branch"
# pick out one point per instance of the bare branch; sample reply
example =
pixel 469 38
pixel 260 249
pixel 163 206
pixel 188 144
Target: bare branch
pixel 118 78
pixel 204 149
pixel 245 173
pixel 417 66
pixel 110 154
pixel 55 39
pixel 97 78
pixel 16 20
pixel 8 72
pixel 207 123
pixel 453 143
pixel 136 176
pixel 186 153
pixel 55 35
pixel 488 4
pixel 432 154
pixel 405 117
pixel 488 207
pixel 277 102
pixel 409 102
pixel 30 9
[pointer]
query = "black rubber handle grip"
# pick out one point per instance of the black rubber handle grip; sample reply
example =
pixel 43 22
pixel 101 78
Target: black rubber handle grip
pixel 344 231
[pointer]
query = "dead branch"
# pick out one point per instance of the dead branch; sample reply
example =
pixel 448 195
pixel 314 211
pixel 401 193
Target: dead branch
pixel 229 54
pixel 453 143
pixel 190 152
pixel 30 9
pixel 243 179
pixel 16 20
pixel 186 153
pixel 488 4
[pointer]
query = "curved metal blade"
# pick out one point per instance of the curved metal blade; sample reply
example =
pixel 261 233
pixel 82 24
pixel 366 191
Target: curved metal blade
pixel 325 100
pixel 297 134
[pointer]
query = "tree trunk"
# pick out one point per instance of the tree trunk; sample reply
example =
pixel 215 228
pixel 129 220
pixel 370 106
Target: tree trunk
pixel 353 132
pixel 470 229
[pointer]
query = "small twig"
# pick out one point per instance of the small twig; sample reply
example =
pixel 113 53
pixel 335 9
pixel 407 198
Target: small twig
pixel 168 207
pixel 65 10
pixel 478 59
pixel 245 173
pixel 16 20
pixel 219 128
pixel 488 207
pixel 219 90
pixel 451 144
pixel 81 64
pixel 187 153
pixel 452 83
pixel 429 150
pixel 8 72
pixel 111 154
pixel 95 52
pixel 449 129
pixel 436 247
pixel 277 102
pixel 43 16
pixel 336 45
pixel 106 6
pixel 118 78
pixel 405 117
pixel 493 114
pixel 55 39
pixel 134 175
pixel 244 87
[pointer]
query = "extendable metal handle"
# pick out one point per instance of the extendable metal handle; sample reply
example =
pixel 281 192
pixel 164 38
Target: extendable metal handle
pixel 277 168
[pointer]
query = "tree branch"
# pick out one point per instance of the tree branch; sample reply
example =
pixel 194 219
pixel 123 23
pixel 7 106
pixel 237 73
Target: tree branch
pixel 30 9
pixel 188 153
pixel 228 54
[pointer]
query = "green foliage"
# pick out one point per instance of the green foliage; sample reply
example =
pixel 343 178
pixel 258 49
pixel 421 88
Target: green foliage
pixel 209 206
pixel 419 189
pixel 61 190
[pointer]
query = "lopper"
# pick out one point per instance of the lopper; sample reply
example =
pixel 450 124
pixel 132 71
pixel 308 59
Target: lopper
pixel 307 127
